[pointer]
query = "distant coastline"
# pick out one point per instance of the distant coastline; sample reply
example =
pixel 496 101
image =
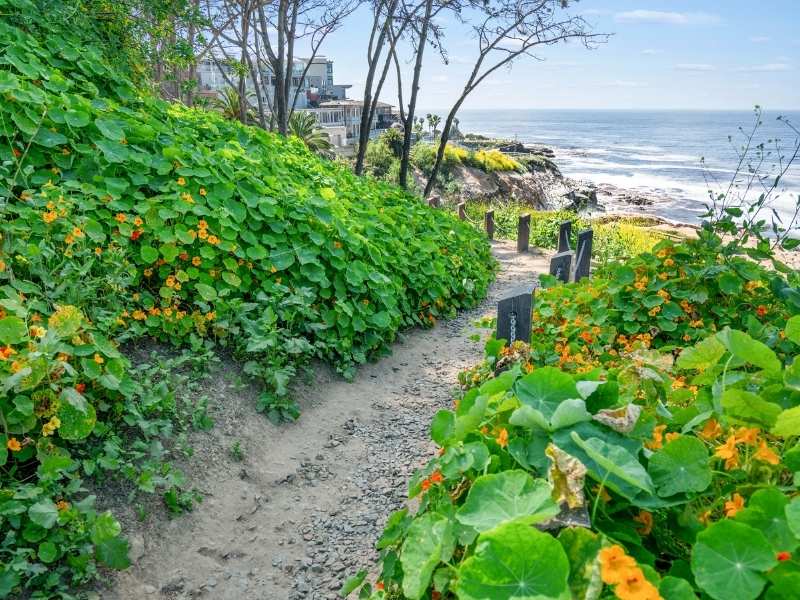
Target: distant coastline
pixel 640 162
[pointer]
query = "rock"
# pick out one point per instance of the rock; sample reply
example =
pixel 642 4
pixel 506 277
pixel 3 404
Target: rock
pixel 581 199
pixel 136 551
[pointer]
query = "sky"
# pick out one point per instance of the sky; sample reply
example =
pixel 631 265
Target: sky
pixel 667 54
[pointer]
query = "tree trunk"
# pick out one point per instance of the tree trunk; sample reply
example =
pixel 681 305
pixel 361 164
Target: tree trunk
pixel 412 101
pixel 442 143
pixel 245 60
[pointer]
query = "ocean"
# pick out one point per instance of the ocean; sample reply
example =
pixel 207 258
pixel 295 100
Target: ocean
pixel 655 152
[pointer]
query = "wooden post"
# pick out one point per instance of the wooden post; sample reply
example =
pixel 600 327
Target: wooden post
pixel 462 211
pixel 523 232
pixel 488 221
pixel 561 265
pixel 583 259
pixel 514 315
pixel 434 201
pixel 564 233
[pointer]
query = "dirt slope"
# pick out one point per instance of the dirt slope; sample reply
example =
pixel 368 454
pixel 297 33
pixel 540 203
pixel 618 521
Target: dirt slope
pixel 302 510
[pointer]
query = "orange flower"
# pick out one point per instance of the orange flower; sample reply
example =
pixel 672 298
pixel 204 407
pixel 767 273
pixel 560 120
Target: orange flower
pixel 181 181
pixel 437 477
pixel 729 453
pixel 202 224
pixel 502 438
pixel 202 191
pixel 425 485
pixel 49 216
pixel 615 565
pixel 62 505
pixel 734 505
pixel 783 556
pixel 337 244
pixel 121 217
pixel 6 352
pixel 213 240
pixel 658 438
pixel 704 517
pixel 761 310
pixel 636 587
pixel 766 454
pixel 196 261
pixel 13 444
pixel 711 430
pixel 586 337
pixel 379 585
pixel 646 520
pixel 99 359
pixel 747 435
pixel 669 262
pixel 80 387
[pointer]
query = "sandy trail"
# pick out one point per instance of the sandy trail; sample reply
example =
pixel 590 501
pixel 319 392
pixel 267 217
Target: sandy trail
pixel 302 510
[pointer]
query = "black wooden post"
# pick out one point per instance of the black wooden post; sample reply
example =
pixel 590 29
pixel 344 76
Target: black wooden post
pixel 583 257
pixel 564 233
pixel 462 211
pixel 561 265
pixel 514 315
pixel 434 201
pixel 488 221
pixel 523 233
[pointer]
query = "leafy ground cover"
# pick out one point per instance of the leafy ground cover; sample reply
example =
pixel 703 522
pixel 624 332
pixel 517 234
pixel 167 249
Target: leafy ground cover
pixel 124 217
pixel 644 445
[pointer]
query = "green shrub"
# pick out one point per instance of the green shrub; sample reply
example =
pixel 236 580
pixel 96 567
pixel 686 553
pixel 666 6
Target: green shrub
pixel 379 158
pixel 124 217
pixel 648 433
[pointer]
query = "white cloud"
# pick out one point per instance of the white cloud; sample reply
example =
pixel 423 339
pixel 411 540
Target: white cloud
pixel 622 83
pixel 767 68
pixel 666 18
pixel 759 39
pixel 594 12
pixel 698 67
pixel 652 51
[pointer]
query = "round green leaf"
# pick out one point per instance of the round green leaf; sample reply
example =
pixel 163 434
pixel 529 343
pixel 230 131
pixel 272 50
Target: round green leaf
pixel 514 562
pixel 497 498
pixel 47 552
pixel 680 466
pixel 12 330
pixel 148 254
pixel 44 513
pixel 729 560
pixel 766 511
pixel 545 389
pixel 207 292
pixel 675 588
pixel 75 424
pixel 429 541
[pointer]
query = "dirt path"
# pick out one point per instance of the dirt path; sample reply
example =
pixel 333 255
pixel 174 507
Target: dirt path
pixel 302 510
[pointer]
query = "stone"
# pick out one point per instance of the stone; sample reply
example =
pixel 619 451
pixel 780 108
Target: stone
pixel 583 258
pixel 435 201
pixel 523 232
pixel 514 315
pixel 561 265
pixel 564 233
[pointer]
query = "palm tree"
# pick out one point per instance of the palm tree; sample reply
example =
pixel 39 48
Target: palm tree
pixel 419 128
pixel 435 120
pixel 228 102
pixel 304 126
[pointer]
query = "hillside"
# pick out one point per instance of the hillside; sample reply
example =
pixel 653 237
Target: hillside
pixel 124 217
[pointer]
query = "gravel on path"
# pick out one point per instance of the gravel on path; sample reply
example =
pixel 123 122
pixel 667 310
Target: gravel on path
pixel 303 508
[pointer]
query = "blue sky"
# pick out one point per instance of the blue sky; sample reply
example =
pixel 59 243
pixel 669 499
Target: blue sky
pixel 673 54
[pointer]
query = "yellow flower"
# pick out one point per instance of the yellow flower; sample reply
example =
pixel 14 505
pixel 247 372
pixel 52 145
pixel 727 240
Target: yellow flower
pixel 37 331
pixel 121 217
pixel 747 435
pixel 210 316
pixel 202 224
pixel 636 587
pixel 138 222
pixel 202 191
pixel 658 438
pixel 711 430
pixel 98 251
pixel 49 216
pixel 202 234
pixel 654 311
pixel 170 281
pixel 196 261
pixel 181 181
pixel 76 231
pixel 13 444
pixel 99 359
pixel 139 315
pixel 187 197
pixel 669 262
pixel 213 240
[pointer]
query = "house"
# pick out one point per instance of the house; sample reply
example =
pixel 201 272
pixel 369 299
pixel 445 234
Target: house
pixel 341 119
pixel 316 86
